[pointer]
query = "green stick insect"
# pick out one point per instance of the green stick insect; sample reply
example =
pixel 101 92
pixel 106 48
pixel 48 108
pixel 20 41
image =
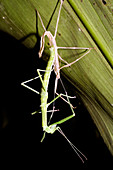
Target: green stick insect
pixel 53 64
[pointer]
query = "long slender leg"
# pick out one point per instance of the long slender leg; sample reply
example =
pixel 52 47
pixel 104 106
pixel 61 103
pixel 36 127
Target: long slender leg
pixel 69 117
pixel 38 111
pixel 77 151
pixel 62 59
pixel 76 59
pixel 74 48
pixel 58 18
pixel 28 87
pixel 60 95
pixel 39 76
pixel 41 20
pixel 67 101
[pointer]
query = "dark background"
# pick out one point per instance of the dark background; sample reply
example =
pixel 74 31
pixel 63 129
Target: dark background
pixel 20 132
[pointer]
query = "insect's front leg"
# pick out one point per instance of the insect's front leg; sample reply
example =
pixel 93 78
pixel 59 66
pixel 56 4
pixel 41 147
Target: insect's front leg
pixel 42 42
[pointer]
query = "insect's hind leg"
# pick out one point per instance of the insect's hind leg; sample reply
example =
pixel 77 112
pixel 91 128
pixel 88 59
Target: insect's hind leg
pixel 67 101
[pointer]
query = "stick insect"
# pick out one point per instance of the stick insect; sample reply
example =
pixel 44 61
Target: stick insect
pixel 53 64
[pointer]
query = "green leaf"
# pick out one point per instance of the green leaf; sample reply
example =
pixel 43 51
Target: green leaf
pixel 84 23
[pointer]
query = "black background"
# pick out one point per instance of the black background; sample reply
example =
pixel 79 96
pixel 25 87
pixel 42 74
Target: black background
pixel 20 133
